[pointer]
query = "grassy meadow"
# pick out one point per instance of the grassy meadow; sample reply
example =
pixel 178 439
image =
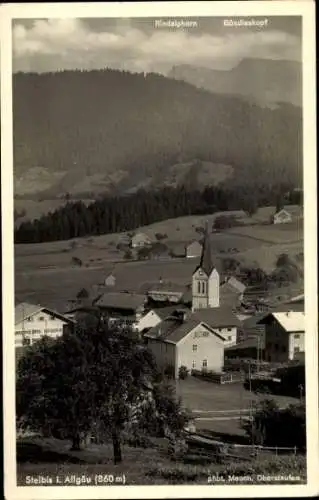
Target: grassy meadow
pixel 46 273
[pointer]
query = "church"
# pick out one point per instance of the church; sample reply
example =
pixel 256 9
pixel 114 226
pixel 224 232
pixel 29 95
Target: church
pixel 195 338
pixel 206 280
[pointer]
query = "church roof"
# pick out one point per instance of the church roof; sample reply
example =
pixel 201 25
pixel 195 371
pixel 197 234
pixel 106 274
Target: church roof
pixel 206 262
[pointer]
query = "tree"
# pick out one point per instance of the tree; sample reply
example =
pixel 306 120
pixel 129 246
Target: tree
pixel 128 254
pixel 143 253
pixel 82 294
pixel 272 426
pixel 283 260
pixel 92 375
pixel 250 206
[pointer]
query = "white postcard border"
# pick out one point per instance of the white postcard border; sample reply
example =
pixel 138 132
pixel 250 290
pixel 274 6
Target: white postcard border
pixel 165 9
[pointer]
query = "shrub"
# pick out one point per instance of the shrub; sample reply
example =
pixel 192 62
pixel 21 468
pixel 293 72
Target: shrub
pixel 272 426
pixel 160 236
pixel 77 261
pixel 128 254
pixel 225 222
pixel 169 371
pixel 183 372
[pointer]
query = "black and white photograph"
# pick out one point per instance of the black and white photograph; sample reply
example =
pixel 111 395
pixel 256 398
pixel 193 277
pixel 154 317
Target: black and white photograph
pixel 159 221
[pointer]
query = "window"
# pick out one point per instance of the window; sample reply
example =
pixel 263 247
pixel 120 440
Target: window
pixel 296 349
pixel 194 347
pixel 193 363
pixel 203 287
pixel 41 318
pixel 276 347
pixel 229 329
pixel 198 287
pixel 29 319
pixel 283 349
pixel 297 336
pixel 26 341
pixel 229 337
pixel 204 363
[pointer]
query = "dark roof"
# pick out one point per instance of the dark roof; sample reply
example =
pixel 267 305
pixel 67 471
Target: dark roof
pixel 252 322
pixel 25 310
pixel 121 300
pixel 164 312
pixel 286 307
pixel 245 344
pixel 164 286
pixel 206 261
pixel 173 330
pixel 217 317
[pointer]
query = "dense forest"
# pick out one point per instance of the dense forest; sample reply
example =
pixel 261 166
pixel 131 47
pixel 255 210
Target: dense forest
pixel 136 126
pixel 127 212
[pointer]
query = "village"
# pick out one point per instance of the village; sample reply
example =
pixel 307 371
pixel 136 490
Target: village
pixel 211 329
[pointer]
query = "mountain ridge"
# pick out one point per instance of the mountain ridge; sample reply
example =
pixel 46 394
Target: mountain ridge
pixel 116 130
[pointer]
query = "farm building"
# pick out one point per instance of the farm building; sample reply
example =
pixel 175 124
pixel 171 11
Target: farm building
pixel 232 292
pixel 177 250
pixel 281 217
pixel 140 240
pixel 193 250
pixel 123 306
pixel 284 335
pixel 33 322
pixel 251 348
pixel 154 317
pixel 252 328
pixel 110 280
pixel 182 340
pixel 171 293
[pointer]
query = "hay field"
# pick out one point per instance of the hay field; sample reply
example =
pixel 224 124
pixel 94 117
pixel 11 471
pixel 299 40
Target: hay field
pixel 46 273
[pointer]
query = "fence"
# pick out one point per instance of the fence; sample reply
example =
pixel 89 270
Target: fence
pixel 203 441
pixel 219 378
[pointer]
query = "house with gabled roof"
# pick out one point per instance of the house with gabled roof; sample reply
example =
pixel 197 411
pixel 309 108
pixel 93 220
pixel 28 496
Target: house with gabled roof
pixel 284 334
pixel 33 321
pixel 281 217
pixel 184 340
pixel 193 249
pixel 154 316
pixel 124 307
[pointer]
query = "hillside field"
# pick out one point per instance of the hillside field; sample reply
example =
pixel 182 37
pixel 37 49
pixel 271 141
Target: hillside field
pixel 45 272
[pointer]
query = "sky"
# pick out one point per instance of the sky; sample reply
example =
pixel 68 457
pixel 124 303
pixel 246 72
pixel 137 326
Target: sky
pixel 142 45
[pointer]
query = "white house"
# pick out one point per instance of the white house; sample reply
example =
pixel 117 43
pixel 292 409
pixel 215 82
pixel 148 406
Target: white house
pixel 154 317
pixel 33 322
pixel 140 240
pixel 177 342
pixel 284 335
pixel 282 217
pixel 193 249
pixel 110 280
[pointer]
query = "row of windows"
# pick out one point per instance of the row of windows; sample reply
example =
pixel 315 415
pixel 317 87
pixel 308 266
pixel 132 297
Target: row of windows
pixel 40 318
pixel 204 363
pixel 28 332
pixel 201 287
pixel 52 330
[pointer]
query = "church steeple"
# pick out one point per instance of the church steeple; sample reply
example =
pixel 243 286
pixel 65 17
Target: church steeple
pixel 206 261
pixel 205 285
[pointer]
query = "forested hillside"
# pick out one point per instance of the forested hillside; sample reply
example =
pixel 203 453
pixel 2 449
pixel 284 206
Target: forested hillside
pixel 114 214
pixel 116 130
